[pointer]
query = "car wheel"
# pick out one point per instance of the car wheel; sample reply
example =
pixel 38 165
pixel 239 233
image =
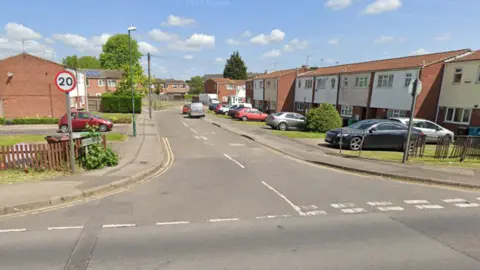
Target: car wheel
pixel 64 128
pixel 103 128
pixel 244 118
pixel 355 143
pixel 282 126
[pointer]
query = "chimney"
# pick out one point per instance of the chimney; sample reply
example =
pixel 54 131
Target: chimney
pixel 266 71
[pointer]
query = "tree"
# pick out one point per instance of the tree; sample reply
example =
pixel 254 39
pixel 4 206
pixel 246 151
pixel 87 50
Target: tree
pixel 140 81
pixel 235 68
pixel 323 118
pixel 196 85
pixel 70 61
pixel 81 62
pixel 313 68
pixel 115 52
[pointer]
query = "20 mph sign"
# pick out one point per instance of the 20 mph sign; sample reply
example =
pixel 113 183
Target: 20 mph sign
pixel 65 81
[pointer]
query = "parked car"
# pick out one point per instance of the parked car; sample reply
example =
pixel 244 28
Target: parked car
pixel 246 114
pixel 80 121
pixel 186 108
pixel 375 134
pixel 232 111
pixel 196 110
pixel 224 109
pixel 286 121
pixel 431 130
pixel 218 107
pixel 212 106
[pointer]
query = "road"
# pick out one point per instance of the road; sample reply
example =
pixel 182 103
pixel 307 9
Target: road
pixel 228 203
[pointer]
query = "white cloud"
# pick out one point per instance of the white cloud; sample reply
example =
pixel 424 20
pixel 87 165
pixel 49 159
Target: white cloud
pixel 380 6
pixel 179 21
pixel 337 4
pixel 445 37
pixel 195 42
pixel 188 57
pixel 295 44
pixel 219 60
pixel 334 41
pixel 384 39
pixel 246 34
pixel 49 40
pixel 83 44
pixel 145 47
pixel 232 41
pixel 329 61
pixel 11 47
pixel 100 40
pixel 272 53
pixel 275 36
pixel 419 52
pixel 159 35
pixel 15 31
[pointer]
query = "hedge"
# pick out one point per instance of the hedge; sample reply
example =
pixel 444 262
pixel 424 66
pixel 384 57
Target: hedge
pixel 120 104
pixel 34 121
pixel 2 120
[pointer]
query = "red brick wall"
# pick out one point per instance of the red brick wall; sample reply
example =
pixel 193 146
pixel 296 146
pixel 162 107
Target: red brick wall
pixel 93 89
pixel 224 92
pixel 31 91
pixel 474 120
pixel 209 87
pixel 286 92
pixel 427 101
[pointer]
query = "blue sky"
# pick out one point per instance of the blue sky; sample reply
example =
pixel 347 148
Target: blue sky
pixel 193 37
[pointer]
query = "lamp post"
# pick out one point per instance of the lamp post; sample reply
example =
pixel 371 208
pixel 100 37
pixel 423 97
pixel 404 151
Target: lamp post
pixel 130 29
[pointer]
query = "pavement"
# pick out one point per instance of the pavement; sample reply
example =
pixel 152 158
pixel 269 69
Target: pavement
pixel 308 150
pixel 228 202
pixel 48 129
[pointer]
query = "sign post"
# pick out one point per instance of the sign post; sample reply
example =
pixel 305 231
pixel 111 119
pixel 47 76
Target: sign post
pixel 414 90
pixel 66 82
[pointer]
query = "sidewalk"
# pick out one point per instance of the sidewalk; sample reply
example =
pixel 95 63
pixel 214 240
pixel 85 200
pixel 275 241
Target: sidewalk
pixel 463 177
pixel 140 156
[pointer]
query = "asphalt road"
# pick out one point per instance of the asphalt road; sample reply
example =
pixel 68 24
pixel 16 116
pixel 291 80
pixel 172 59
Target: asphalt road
pixel 228 203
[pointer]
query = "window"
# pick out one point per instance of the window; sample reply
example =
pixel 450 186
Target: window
pixel 98 94
pixel 346 111
pixel 385 81
pixel 390 126
pixel 308 83
pixel 457 75
pixel 333 82
pixel 112 83
pixel 290 115
pixel 269 83
pixel 345 82
pixel 458 115
pixel 88 82
pixel 229 87
pixel 261 84
pixel 82 115
pixel 299 106
pixel 299 83
pixel 321 83
pixel 101 83
pixel 361 82
pixel 274 84
pixel 408 79
pixel 396 113
pixel 174 86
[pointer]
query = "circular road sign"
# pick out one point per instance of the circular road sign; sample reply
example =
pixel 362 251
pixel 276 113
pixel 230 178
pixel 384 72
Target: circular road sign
pixel 419 87
pixel 65 81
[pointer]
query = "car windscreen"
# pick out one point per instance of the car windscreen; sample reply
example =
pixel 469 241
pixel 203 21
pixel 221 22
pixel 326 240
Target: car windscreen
pixel 363 124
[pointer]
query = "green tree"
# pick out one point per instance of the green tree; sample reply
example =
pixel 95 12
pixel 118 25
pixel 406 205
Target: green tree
pixel 196 85
pixel 115 52
pixel 323 118
pixel 88 62
pixel 140 81
pixel 70 61
pixel 235 68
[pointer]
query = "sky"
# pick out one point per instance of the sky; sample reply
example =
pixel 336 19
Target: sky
pixel 194 37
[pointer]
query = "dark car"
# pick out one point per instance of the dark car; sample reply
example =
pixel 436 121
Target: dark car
pixel 80 121
pixel 233 110
pixel 212 106
pixel 375 134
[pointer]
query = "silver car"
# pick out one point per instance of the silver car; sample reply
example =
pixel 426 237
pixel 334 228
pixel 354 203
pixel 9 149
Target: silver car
pixel 196 110
pixel 431 130
pixel 286 121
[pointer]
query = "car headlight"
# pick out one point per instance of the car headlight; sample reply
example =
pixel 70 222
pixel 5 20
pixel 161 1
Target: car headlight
pixel 342 134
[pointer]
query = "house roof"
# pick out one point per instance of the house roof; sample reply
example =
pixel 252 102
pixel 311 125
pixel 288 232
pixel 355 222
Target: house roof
pixel 34 56
pixel 388 64
pixel 103 74
pixel 474 56
pixel 222 80
pixel 276 74
pixel 172 81
pixel 238 82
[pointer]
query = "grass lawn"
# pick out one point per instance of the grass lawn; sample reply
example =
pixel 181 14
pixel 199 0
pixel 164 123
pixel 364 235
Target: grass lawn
pixel 116 136
pixel 18 176
pixel 25 138
pixel 299 134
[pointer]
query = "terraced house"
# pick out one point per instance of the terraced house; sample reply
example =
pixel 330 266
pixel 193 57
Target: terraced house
pixel 228 90
pixel 100 81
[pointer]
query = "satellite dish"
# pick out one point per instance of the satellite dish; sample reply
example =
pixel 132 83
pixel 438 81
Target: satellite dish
pixel 10 74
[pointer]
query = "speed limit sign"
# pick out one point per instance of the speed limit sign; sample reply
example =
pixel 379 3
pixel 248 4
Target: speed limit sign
pixel 65 81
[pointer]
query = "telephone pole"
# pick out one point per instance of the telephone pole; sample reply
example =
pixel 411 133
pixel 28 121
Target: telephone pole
pixel 149 89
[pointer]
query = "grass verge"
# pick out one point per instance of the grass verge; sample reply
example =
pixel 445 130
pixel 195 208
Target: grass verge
pixel 116 136
pixel 25 138
pixel 18 176
pixel 116 118
pixel 299 134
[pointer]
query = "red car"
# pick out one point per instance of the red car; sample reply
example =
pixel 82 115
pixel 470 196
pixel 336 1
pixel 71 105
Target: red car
pixel 80 120
pixel 219 106
pixel 186 109
pixel 246 114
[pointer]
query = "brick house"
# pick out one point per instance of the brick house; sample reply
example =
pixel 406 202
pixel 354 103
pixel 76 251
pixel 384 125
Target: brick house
pixel 177 88
pixel 249 91
pixel 459 104
pixel 225 88
pixel 28 88
pixel 100 81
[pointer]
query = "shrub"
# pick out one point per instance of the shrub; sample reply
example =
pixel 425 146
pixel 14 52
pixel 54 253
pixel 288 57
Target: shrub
pixel 323 118
pixel 98 156
pixel 2 120
pixel 120 103
pixel 34 121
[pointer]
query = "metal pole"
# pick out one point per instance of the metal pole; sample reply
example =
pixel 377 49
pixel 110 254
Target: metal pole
pixel 410 122
pixel 131 84
pixel 149 89
pixel 70 135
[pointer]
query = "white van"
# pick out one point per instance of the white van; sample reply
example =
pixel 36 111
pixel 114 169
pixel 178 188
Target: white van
pixel 208 99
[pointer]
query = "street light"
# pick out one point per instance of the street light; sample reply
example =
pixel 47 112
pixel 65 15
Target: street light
pixel 130 29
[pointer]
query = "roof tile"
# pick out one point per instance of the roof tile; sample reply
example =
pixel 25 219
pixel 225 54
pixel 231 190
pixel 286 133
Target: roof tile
pixel 475 56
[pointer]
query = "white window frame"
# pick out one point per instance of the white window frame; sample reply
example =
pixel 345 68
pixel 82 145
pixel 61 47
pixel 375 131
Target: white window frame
pixel 346 111
pixel 112 83
pixel 456 72
pixel 299 83
pixel 299 106
pixel 321 83
pixel 345 82
pixel 333 83
pixel 229 87
pixel 308 83
pixel 361 81
pixel 269 83
pixel 100 82
pixel 87 82
pixel 453 115
pixel 385 81
pixel 396 113
pixel 408 79
pixel 261 84
pixel 98 94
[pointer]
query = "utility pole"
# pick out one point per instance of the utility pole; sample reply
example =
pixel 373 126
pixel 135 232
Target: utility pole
pixel 306 63
pixel 274 65
pixel 149 89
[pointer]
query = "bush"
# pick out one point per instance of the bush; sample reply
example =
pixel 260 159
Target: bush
pixel 34 121
pixel 120 103
pixel 98 156
pixel 2 120
pixel 323 118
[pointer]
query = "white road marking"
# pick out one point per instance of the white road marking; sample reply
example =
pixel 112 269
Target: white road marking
pixel 196 137
pixel 309 207
pixel 342 205
pixel 119 225
pixel 208 143
pixel 193 130
pixel 455 200
pixel 65 228
pixel 204 138
pixel 315 213
pixel 353 210
pixel 273 216
pixel 172 223
pixel 466 205
pixel 223 219
pixel 429 206
pixel 213 132
pixel 236 144
pixel 381 203
pixel 390 208
pixel 296 208
pixel 12 230
pixel 416 201
pixel 238 163
pixel 185 124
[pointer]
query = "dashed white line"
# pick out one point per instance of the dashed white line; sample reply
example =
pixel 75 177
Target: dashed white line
pixel 390 208
pixel 467 205
pixel 65 228
pixel 172 223
pixel 429 206
pixel 236 144
pixel 193 130
pixel 309 207
pixel 204 138
pixel 354 210
pixel 381 203
pixel 185 124
pixel 223 219
pixel 342 205
pixel 296 208
pixel 12 230
pixel 455 200
pixel 238 163
pixel 315 213
pixel 416 201
pixel 119 225
pixel 273 216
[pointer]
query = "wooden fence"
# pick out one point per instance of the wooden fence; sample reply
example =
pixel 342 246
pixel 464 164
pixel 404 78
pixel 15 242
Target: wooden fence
pixel 464 147
pixel 418 144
